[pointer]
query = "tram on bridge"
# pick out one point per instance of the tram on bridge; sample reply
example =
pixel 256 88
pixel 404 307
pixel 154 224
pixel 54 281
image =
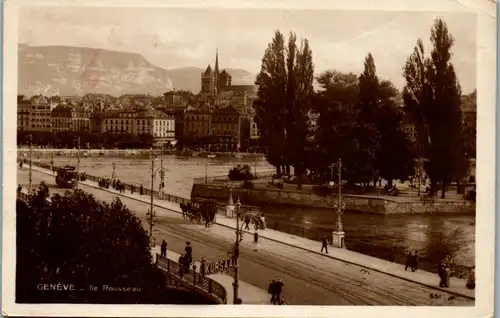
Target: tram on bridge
pixel 66 177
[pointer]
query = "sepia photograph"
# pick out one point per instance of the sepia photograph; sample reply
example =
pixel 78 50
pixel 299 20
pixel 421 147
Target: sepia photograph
pixel 263 156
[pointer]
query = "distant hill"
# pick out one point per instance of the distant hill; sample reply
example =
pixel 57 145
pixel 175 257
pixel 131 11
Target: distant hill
pixel 67 71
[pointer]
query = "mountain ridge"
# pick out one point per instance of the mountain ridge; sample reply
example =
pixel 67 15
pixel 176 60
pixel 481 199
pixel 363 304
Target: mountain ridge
pixel 69 70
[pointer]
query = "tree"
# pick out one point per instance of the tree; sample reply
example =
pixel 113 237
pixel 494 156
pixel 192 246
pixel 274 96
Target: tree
pixel 270 103
pixel 366 128
pixel 299 97
pixel 396 157
pixel 432 97
pixel 75 239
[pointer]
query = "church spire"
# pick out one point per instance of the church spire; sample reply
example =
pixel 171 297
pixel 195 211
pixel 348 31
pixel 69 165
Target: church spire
pixel 216 72
pixel 217 61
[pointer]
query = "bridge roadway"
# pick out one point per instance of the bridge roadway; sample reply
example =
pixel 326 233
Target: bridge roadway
pixel 309 279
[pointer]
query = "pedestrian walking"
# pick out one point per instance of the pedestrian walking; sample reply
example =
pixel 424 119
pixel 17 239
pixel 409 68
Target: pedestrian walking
pixel 19 189
pixel 164 249
pixel 256 243
pixel 471 278
pixel 279 287
pixel 409 260
pixel 272 291
pixel 132 189
pixel 414 263
pixel 203 266
pixel 182 261
pixel 324 245
pixel 189 252
pixel 247 222
pixel 141 190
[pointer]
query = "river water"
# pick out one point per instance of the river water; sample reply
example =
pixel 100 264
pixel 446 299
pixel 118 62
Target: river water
pixel 388 237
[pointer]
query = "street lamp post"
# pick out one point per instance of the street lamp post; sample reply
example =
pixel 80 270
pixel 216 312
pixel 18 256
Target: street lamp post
pixel 206 171
pixel 162 174
pixel 151 215
pixel 338 235
pixel 237 253
pixel 31 153
pixel 78 162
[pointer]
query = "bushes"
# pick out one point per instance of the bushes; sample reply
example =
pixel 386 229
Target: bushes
pixel 240 173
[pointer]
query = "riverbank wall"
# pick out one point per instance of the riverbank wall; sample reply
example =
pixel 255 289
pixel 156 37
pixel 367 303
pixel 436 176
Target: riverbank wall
pixel 126 153
pixel 360 203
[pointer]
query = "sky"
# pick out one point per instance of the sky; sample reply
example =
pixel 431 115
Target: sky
pixel 183 37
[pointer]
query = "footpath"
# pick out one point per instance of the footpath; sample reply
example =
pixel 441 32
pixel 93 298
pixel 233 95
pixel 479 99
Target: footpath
pixel 250 294
pixel 457 285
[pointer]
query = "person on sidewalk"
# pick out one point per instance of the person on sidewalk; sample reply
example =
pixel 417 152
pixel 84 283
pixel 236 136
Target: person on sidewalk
pixel 414 264
pixel 256 244
pixel 471 278
pixel 164 249
pixel 247 222
pixel 19 189
pixel 409 260
pixel 324 245
pixel 189 252
pixel 272 291
pixel 203 266
pixel 182 261
pixel 131 189
pixel 279 287
pixel 141 190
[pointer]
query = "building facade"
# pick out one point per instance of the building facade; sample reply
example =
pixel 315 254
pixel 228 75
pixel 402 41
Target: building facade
pixel 23 113
pixel 40 114
pixel 140 122
pixel 197 124
pixel 226 129
pixel 61 119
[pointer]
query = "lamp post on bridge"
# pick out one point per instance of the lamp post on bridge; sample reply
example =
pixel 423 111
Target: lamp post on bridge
pixel 338 235
pixel 31 153
pixel 236 252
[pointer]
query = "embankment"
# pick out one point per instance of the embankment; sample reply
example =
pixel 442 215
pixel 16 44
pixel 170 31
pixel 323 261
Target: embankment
pixel 361 203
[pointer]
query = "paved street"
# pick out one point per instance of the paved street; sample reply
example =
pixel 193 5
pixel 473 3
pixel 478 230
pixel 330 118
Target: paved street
pixel 310 279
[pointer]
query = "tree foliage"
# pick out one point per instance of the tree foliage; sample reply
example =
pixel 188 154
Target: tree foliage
pixel 432 97
pixel 74 239
pixel 283 100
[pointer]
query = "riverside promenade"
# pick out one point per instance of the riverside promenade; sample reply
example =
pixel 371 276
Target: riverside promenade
pixel 423 278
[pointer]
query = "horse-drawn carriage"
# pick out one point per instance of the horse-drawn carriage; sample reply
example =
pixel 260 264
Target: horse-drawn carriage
pixel 200 210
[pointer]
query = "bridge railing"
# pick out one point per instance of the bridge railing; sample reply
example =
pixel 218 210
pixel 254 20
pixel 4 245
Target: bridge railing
pixel 192 279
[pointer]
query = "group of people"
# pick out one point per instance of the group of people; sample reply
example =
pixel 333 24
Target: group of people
pixel 275 289
pixel 412 261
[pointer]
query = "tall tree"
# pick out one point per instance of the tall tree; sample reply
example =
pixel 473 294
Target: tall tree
pixel 366 126
pixel 432 97
pixel 270 111
pixel 300 91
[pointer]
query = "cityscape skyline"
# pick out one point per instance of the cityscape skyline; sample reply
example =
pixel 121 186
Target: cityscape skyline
pixel 361 32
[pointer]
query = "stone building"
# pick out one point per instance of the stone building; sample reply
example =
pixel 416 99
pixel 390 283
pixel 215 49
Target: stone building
pixel 39 114
pixel 23 113
pixel 226 129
